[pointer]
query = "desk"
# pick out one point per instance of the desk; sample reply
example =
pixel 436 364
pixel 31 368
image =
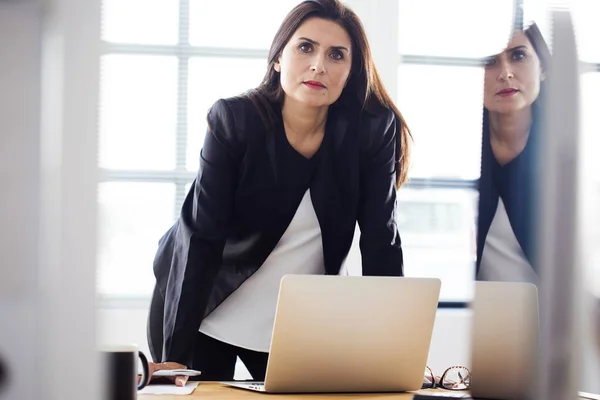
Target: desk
pixel 217 391
pixel 213 390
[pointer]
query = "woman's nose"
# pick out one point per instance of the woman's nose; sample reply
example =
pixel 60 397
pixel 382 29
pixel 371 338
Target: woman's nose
pixel 506 72
pixel 318 65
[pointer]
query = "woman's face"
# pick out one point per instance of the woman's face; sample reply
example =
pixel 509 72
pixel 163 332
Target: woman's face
pixel 315 64
pixel 512 78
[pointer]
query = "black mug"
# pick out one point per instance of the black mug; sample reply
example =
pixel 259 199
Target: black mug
pixel 120 372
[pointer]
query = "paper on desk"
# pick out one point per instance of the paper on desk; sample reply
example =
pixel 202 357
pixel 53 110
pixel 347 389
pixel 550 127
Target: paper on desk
pixel 170 389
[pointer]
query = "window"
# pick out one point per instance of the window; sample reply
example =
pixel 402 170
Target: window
pixel 252 26
pixel 204 89
pixel 440 92
pixel 133 216
pixel 445 116
pixel 138 115
pixel 147 22
pixel 438 237
pixel 447 28
pixel 164 63
pixel 587 29
pixel 163 68
pixel 440 89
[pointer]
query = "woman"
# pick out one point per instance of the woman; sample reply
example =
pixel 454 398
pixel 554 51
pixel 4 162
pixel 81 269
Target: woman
pixel 286 172
pixel 514 89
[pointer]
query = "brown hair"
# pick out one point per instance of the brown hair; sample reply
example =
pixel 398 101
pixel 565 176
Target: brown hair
pixel 364 88
pixel 534 35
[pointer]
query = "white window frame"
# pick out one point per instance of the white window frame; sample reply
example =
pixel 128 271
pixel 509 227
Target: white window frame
pixel 379 31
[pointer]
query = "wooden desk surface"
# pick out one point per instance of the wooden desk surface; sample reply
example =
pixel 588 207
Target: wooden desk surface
pixel 217 391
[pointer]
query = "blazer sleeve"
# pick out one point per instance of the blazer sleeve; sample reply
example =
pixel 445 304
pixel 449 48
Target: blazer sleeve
pixel 199 236
pixel 380 243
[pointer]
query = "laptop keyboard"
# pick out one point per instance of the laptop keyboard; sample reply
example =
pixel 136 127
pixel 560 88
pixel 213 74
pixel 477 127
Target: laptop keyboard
pixel 255 385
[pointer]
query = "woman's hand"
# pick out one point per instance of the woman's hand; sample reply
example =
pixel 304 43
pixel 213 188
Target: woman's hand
pixel 179 380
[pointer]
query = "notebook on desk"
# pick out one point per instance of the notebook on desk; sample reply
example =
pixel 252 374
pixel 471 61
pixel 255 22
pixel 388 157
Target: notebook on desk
pixel 349 334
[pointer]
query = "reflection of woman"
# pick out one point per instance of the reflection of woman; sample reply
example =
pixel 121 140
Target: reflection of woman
pixel 286 172
pixel 513 92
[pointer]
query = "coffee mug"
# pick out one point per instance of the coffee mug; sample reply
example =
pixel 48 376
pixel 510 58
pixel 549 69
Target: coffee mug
pixel 120 372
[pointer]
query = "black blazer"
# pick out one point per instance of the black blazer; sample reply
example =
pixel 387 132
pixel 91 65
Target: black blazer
pixel 517 185
pixel 239 207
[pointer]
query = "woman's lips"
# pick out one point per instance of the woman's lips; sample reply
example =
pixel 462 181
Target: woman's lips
pixel 314 85
pixel 507 92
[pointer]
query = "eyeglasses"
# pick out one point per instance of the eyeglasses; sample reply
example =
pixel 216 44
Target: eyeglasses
pixel 454 378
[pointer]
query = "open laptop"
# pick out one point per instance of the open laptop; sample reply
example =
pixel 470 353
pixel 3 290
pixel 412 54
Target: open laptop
pixel 349 334
pixel 504 341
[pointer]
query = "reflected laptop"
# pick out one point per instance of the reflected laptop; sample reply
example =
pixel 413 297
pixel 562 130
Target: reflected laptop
pixel 504 341
pixel 349 334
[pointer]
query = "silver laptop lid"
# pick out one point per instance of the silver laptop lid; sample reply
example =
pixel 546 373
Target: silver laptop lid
pixel 504 342
pixel 351 334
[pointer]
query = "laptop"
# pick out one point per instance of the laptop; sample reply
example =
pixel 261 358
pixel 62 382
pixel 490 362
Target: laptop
pixel 504 341
pixel 349 334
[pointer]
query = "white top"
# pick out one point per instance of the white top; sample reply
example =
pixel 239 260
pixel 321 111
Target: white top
pixel 245 319
pixel 502 258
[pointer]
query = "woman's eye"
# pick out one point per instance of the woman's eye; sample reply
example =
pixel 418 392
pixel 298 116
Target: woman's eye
pixel 337 55
pixel 518 55
pixel 488 62
pixel 305 47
